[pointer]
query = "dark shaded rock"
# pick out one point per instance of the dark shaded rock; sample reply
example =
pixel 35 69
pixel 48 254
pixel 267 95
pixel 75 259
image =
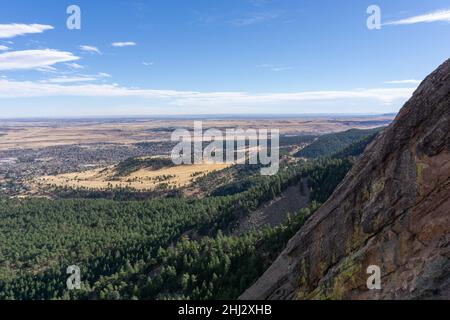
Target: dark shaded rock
pixel 392 210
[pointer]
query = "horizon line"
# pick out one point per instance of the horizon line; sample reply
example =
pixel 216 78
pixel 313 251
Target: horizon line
pixel 201 115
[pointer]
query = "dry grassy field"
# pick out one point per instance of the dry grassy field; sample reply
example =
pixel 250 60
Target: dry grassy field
pixel 143 179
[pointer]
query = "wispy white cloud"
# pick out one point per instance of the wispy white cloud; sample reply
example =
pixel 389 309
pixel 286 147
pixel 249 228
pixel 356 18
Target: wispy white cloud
pixel 104 75
pixel 204 18
pixel 34 59
pixel 409 81
pixel 20 89
pixel 74 65
pixel 47 69
pixel 4 48
pixel 275 67
pixel 381 95
pixel 148 64
pixel 77 78
pixel 66 79
pixel 90 49
pixel 15 29
pixel 436 16
pixel 123 44
pixel 255 18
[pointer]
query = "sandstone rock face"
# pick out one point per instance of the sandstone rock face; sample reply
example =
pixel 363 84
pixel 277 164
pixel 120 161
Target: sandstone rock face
pixel 392 210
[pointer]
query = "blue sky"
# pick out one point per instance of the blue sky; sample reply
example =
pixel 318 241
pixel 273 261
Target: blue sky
pixel 216 56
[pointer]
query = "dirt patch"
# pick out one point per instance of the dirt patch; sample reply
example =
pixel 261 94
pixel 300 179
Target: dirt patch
pixel 276 211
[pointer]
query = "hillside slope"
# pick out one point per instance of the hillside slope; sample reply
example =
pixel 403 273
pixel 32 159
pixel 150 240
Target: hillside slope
pixel 329 144
pixel 275 212
pixel 392 210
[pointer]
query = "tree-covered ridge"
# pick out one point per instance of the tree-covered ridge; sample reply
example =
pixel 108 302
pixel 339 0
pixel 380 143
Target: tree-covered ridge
pixel 356 148
pixel 212 268
pixel 286 140
pixel 131 165
pixel 122 241
pixel 329 144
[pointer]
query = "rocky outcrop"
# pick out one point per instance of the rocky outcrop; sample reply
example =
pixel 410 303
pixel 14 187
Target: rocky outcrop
pixel 392 210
